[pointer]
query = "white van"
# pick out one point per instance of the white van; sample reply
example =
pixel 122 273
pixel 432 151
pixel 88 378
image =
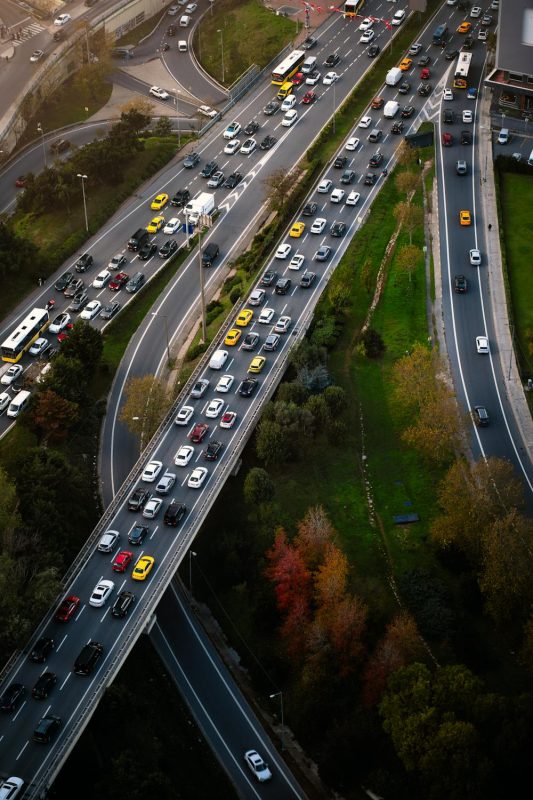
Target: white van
pixel 393 76
pixel 184 21
pixel 503 136
pixel 182 46
pixel 391 109
pixel 218 359
pixel 18 404
pixel 308 65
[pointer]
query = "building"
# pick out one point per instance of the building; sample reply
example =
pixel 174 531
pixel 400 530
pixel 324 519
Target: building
pixel 511 79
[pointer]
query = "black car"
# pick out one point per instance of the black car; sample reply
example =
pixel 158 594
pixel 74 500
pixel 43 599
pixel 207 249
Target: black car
pixel 44 685
pixel 348 176
pixel 251 340
pixel 283 285
pixel 309 209
pixel 450 55
pixel 407 111
pixel 181 198
pixel 233 180
pixel 404 87
pixel 460 284
pixel 40 652
pixel 47 729
pixel 79 301
pixel 397 127
pixel 268 142
pixel 447 116
pixel 213 451
pixel 147 251
pixel 424 89
pixel 271 107
pixel 271 342
pixel 74 287
pixel 210 254
pixel 168 249
pixel 376 160
pixel 481 416
pixel 268 278
pixel 12 696
pixel 174 513
pixel 251 128
pixel 370 178
pixel 110 310
pixel 323 253
pixel 424 61
pixel 122 604
pixel 309 43
pixel 332 60
pixel 209 169
pixel 64 281
pixel 84 262
pixel 248 387
pixel 138 534
pixel 468 43
pixel 340 162
pixel 338 229
pixel 307 279
pixel 88 658
pixel 191 160
pixel 373 50
pixel 138 499
pixel 466 137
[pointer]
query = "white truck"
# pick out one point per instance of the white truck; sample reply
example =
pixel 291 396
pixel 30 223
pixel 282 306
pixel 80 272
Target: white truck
pixel 393 76
pixel 203 203
pixel 391 109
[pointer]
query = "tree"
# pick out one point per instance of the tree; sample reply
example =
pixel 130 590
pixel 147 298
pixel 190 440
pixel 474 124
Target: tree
pixel 346 624
pixel 407 182
pixel 53 416
pixel 331 578
pixel 85 343
pixel 288 572
pixel 336 400
pixel 413 378
pixel 409 217
pixel 163 127
pixel 279 186
pixel 436 431
pixel 146 402
pixel 68 378
pixel 315 533
pixel 8 510
pixel 292 392
pixel 258 487
pixel 373 343
pixel 137 113
pixel 526 650
pixel 408 258
pixel 272 445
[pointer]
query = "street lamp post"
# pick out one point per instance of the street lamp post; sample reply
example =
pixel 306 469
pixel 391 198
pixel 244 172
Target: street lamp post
pixel 334 104
pixel 280 695
pixel 222 51
pixel 191 555
pixel 202 286
pixel 164 316
pixel 40 130
pixel 178 120
pixel 83 179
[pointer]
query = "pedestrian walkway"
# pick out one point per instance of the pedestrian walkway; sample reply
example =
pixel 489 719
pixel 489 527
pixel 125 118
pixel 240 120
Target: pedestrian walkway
pixel 23 34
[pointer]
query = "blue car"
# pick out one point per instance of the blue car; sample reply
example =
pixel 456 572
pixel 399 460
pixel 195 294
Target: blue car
pixel 471 93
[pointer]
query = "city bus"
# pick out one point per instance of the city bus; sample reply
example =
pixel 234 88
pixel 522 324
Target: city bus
pixel 440 36
pixel 288 67
pixel 24 335
pixel 352 8
pixel 463 65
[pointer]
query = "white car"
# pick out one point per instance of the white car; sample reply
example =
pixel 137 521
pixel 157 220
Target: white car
pixel 266 315
pixel 225 383
pixel 11 375
pixel 62 19
pixel 152 507
pixel 447 94
pixel 232 130
pixel 228 419
pixel 156 91
pixel 184 455
pixel 289 118
pixel 248 147
pixel 101 593
pixel 476 12
pixel 214 408
pixel 313 78
pixel 118 262
pixel 232 147
pixel 257 297
pixel 366 24
pixel 101 279
pixel 184 415
pixel 197 477
pixel 288 103
pixel 5 399
pixel 398 18
pixel 297 262
pixel 318 225
pixel 475 257
pixel 166 482
pixel 283 251
pixel 10 788
pixel 173 10
pixel 365 122
pixel 151 471
pixel 39 346
pixel 191 7
pixel 367 36
pixel 329 78
pixel 282 325
pixel 482 35
pixel 60 323
pixel 207 111
pixel 108 541
pixel 91 310
pixel 353 199
pixel 482 344
pixel 352 143
pixel 337 195
pixel 257 766
pixel 172 226
pixel 468 116
pixel 36 55
pixel 324 187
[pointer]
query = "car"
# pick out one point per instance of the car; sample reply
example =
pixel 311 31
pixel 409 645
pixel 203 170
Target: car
pixel 233 180
pixel 155 224
pixel 251 128
pixel 256 364
pixel 43 687
pixel 451 55
pixel 424 74
pixel 352 143
pixel 21 181
pixel 271 108
pixel 323 253
pixel 39 347
pixel 283 251
pixel 404 87
pixel 244 317
pixel 337 229
pixel 159 201
pixel 318 225
pixel 139 532
pixel 152 507
pixel 337 196
pixel 36 55
pixel 213 450
pixel 256 297
pixel 290 118
pixel 209 169
pixel 109 310
pixel 88 657
pixel 297 229
pixel 407 112
pixel 482 344
pixel 309 43
pixel 197 478
pixel 298 79
pixel 398 17
pixel 465 218
pixel 424 61
pixel 166 482
pixel 168 248
pixel 67 608
pixel 5 400
pixel 224 384
pixel 248 387
pixel 424 89
pixel 58 324
pixel 466 137
pixel 370 179
pixel 405 64
pixel 471 93
pixel 397 127
pixel 198 432
pixel 265 317
pixel 467 116
pixel 474 256
pixel 309 98
pixel 228 419
pixel 122 561
pixel 61 337
pixel 313 78
pixel 415 49
pixel 464 27
pixel 340 162
pixel 180 198
pixel 117 262
pixel 190 8
pixel 79 301
pixel 324 187
pixel 84 262
pixel 191 160
pixel 475 12
pixel 172 226
pixel 157 91
pixel 461 168
pixel 232 337
pixel 373 51
pixel 257 766
pixel 480 415
pixel 174 513
pixel 330 78
pixel 375 135
pixel 101 593
pixel 122 605
pixel 102 279
pixel 12 697
pixel 332 60
pixel 64 281
pixel 10 788
pixel 460 284
pixel 353 199
pixel 216 179
pixel 91 310
pixel 289 102
pixel 365 122
pixel 268 142
pixel 283 285
pixel 307 279
pixel 232 147
pixel 468 43
pixel 147 251
pixel 297 262
pixel 251 340
pixel 366 24
pixel 268 278
pixel 200 388
pixel 137 500
pixel 447 139
pixel 49 725
pixel 375 160
pixel 482 35
pixel 366 37
pixel 377 103
pixel 151 471
pixel 108 541
pixel 184 415
pixel 62 19
pixel 282 325
pixel 118 281
pixel 75 286
pixel 214 408
pixel 271 342
pixel 143 568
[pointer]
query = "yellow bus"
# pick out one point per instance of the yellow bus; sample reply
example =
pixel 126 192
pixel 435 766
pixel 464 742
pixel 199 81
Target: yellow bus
pixel 352 8
pixel 288 67
pixel 24 335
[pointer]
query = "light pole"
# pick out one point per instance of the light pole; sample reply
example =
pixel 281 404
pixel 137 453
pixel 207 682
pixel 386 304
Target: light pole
pixel 202 287
pixel 280 695
pixel 191 555
pixel 222 51
pixel 178 119
pixel 137 419
pixel 503 119
pixel 334 104
pixel 40 130
pixel 83 179
pixel 155 314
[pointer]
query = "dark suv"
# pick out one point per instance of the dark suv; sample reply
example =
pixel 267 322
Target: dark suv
pixel 209 169
pixel 138 534
pixel 84 262
pixel 210 254
pixel 123 604
pixel 40 652
pixel 46 729
pixel 481 416
pixel 88 658
pixel 181 198
pixel 138 499
pixel 44 685
pixel 283 285
pixel 174 514
pixel 12 696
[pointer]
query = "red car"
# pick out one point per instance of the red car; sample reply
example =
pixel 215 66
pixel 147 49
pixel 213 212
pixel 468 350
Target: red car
pixel 447 139
pixel 308 98
pixel 122 561
pixel 118 281
pixel 198 432
pixel 68 608
pixel 298 79
pixel 424 74
pixel 20 183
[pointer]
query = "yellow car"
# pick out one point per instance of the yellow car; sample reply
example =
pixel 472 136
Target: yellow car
pixel 257 364
pixel 244 318
pixel 142 568
pixel 232 337
pixel 159 202
pixel 464 27
pixel 464 218
pixel 405 64
pixel 459 83
pixel 297 229
pixel 155 225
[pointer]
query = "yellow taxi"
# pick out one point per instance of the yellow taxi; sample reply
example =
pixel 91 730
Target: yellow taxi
pixel 244 318
pixel 257 364
pixel 143 568
pixel 459 83
pixel 464 27
pixel 464 218
pixel 232 337
pixel 159 202
pixel 155 225
pixel 297 229
pixel 405 64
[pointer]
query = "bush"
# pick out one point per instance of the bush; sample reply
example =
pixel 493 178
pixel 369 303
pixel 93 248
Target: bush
pixel 373 343
pixel 235 293
pixel 195 350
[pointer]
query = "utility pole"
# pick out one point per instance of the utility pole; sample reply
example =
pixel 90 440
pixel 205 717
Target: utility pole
pixel 202 288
